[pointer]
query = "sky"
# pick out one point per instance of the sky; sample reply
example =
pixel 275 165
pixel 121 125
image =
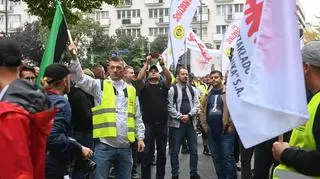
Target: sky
pixel 311 8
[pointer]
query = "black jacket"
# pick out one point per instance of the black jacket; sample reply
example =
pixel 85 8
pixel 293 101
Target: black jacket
pixel 81 104
pixel 61 149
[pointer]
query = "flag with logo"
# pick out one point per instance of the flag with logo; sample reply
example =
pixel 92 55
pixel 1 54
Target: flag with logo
pixel 228 42
pixel 266 91
pixel 181 15
pixel 56 43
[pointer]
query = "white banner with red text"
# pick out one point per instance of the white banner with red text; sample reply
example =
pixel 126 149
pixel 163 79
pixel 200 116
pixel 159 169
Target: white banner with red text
pixel 266 90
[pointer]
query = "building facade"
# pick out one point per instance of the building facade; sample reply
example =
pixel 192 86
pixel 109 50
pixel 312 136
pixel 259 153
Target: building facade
pixel 149 18
pixel 18 16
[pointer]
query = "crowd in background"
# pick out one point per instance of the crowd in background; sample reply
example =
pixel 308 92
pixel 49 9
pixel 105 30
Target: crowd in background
pixel 107 119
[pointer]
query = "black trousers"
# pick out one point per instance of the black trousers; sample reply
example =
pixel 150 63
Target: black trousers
pixel 263 159
pixel 246 156
pixel 158 134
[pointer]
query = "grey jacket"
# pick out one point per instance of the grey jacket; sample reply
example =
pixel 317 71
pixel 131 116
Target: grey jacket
pixel 174 109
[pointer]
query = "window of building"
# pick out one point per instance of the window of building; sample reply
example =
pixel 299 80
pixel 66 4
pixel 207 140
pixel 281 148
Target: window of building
pixel 155 13
pixel 135 32
pixel 138 32
pixel 155 31
pixel 160 12
pixel 97 16
pixel 161 30
pixel 166 11
pixel 230 11
pixel 241 7
pixel 104 14
pixel 138 12
pixel 223 10
pixel 2 17
pixel 237 8
pixel 119 14
pixel 150 31
pixel 219 10
pixel 129 14
pixel 221 29
pixel 205 31
pixel 150 13
pixel 134 13
pixel 14 18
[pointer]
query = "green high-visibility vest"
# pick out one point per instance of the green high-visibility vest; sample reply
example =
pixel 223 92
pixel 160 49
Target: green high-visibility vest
pixel 303 138
pixel 104 116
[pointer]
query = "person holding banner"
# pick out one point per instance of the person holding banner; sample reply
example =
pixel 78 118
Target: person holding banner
pixel 301 155
pixel 117 120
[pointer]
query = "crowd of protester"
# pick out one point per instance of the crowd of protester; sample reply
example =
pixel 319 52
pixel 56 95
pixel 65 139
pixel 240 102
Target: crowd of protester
pixel 101 122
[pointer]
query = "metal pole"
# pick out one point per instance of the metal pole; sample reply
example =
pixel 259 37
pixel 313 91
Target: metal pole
pixel 6 14
pixel 200 19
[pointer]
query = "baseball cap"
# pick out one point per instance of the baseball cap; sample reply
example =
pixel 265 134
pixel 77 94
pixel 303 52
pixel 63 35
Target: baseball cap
pixel 56 72
pixel 311 53
pixel 153 67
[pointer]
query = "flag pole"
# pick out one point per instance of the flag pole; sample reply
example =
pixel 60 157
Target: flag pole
pixel 280 139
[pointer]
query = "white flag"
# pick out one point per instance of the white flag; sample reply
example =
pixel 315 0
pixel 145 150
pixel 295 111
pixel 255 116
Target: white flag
pixel 194 42
pixel 228 42
pixel 266 91
pixel 181 15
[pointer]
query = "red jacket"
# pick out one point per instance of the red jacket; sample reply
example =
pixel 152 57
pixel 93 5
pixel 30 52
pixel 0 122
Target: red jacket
pixel 23 139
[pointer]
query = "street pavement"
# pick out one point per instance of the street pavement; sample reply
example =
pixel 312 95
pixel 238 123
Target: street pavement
pixel 205 165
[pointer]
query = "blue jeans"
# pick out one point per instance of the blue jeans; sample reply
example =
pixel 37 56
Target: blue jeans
pixel 176 136
pixel 105 154
pixel 222 149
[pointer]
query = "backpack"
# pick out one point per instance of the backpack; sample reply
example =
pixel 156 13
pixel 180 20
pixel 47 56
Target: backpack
pixel 175 95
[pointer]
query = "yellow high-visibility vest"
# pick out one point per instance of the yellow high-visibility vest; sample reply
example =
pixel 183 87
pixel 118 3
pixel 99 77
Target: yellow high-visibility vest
pixel 104 116
pixel 303 138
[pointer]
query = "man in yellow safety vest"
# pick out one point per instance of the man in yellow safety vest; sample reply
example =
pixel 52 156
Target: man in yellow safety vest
pixel 117 121
pixel 300 157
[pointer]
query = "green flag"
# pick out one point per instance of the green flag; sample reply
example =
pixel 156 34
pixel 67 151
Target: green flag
pixel 56 42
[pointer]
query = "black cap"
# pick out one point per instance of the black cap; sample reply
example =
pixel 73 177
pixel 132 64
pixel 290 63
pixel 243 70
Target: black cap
pixel 153 67
pixel 10 53
pixel 56 72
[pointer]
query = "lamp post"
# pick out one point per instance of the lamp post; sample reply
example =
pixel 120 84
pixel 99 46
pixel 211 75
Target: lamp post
pixel 5 11
pixel 200 11
pixel 6 14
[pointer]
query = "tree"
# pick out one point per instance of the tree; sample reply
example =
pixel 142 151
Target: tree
pixel 136 48
pixel 101 47
pixel 82 34
pixel 311 35
pixel 45 8
pixel 28 39
pixel 159 44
